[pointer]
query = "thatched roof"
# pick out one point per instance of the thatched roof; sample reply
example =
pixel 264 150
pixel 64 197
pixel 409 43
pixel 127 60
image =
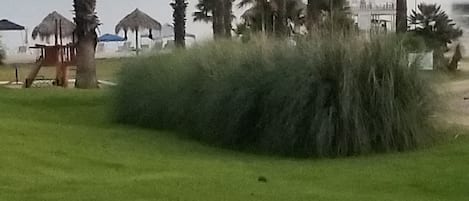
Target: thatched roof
pixel 47 28
pixel 137 20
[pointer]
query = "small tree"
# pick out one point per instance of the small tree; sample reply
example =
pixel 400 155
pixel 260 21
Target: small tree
pixel 434 25
pixel 208 11
pixel 436 28
pixel 2 53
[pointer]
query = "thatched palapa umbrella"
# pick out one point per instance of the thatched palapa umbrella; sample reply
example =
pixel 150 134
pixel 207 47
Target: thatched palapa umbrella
pixel 49 27
pixel 134 22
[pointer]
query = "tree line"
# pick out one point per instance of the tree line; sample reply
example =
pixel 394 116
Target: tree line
pixel 275 17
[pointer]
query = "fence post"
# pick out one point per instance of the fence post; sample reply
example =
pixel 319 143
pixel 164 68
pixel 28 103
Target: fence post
pixel 16 73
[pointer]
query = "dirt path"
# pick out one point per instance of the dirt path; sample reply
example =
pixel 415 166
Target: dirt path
pixel 456 95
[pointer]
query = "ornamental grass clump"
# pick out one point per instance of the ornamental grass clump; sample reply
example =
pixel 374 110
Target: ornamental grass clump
pixel 325 97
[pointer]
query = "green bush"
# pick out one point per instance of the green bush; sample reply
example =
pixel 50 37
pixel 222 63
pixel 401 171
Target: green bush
pixel 324 97
pixel 414 43
pixel 2 54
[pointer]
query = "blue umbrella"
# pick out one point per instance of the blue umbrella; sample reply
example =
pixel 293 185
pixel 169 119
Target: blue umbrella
pixel 110 38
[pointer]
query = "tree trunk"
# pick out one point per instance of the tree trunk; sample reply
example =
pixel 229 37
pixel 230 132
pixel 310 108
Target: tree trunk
pixel 86 65
pixel 215 25
pixel 312 15
pixel 218 21
pixel 227 17
pixel 33 74
pixel 401 16
pixel 453 65
pixel 179 16
pixel 86 24
pixel 281 19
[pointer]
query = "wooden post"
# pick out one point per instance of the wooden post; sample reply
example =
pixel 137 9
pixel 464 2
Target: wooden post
pixel 16 73
pixel 62 80
pixel 57 62
pixel 136 40
pixel 60 32
pixel 58 74
pixel 63 65
pixel 56 34
pixel 32 75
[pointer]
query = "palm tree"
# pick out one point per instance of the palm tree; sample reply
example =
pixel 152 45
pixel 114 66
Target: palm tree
pixel 276 13
pixel 401 16
pixel 280 10
pixel 203 12
pixel 434 25
pixel 179 16
pixel 438 30
pixel 316 8
pixel 218 20
pixel 312 14
pixel 208 11
pixel 259 16
pixel 219 12
pixel 268 16
pixel 86 24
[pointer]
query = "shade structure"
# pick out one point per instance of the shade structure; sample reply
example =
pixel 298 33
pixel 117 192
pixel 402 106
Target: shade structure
pixel 135 21
pixel 6 25
pixel 111 38
pixel 48 26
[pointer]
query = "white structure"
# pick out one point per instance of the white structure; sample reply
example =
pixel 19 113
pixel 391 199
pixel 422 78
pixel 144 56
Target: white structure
pixel 374 17
pixel 164 38
pixel 460 13
pixel 424 60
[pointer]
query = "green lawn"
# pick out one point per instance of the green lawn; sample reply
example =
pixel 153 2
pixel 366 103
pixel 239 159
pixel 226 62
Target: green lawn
pixel 60 145
pixel 106 69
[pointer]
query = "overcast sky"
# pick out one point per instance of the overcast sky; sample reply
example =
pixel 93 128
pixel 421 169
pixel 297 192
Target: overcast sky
pixel 29 13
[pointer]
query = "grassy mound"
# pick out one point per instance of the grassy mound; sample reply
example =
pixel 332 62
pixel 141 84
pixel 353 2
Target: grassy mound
pixel 320 98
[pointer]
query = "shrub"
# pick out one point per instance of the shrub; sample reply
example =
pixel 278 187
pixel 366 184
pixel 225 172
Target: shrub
pixel 2 54
pixel 414 43
pixel 320 98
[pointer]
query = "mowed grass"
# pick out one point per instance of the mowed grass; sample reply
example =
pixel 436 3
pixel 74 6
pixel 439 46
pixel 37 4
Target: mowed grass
pixel 61 145
pixel 106 69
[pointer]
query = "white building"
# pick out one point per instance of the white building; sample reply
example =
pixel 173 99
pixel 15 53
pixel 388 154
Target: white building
pixel 374 16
